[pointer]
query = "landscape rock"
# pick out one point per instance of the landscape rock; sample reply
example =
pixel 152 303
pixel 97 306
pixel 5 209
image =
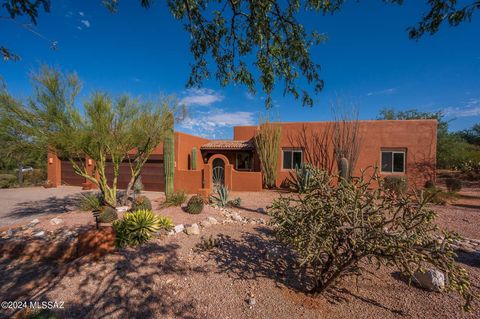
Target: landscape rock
pixel 34 222
pixel 122 209
pixel 212 220
pixel 56 221
pixel 39 234
pixel 431 279
pixel 236 217
pixel 179 228
pixel 193 230
pixel 205 223
pixel 251 301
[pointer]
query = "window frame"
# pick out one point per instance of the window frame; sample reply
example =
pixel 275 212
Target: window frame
pixel 394 151
pixel 250 155
pixel 292 150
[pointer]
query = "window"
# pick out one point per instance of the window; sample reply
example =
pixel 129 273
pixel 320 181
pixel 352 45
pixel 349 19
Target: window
pixel 292 159
pixel 393 161
pixel 243 161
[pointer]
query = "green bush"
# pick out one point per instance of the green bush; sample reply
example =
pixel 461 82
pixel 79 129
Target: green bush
pixel 90 201
pixel 35 177
pixel 454 185
pixel 439 197
pixel 7 180
pixel 195 205
pixel 136 228
pixel 395 184
pixel 221 199
pixel 175 199
pixel 336 229
pixel 108 215
pixel 141 202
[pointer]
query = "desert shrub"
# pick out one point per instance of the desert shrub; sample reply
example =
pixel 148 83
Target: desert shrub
pixel 439 197
pixel 453 184
pixel 195 205
pixel 221 198
pixel 236 202
pixel 141 202
pixel 30 313
pixel 395 184
pixel 207 244
pixel 337 229
pixel 90 202
pixel 175 199
pixel 469 167
pixel 429 184
pixel 300 179
pixel 7 180
pixel 136 228
pixel 108 215
pixel 35 177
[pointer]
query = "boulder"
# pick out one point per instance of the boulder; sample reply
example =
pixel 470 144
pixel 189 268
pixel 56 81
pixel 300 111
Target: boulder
pixel 193 230
pixel 179 228
pixel 56 221
pixel 430 279
pixel 39 234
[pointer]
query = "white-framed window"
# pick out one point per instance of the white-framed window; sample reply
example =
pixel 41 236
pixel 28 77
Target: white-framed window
pixel 393 161
pixel 244 161
pixel 291 158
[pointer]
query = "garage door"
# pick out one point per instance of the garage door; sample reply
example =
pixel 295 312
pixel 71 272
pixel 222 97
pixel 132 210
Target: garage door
pixel 152 174
pixel 68 175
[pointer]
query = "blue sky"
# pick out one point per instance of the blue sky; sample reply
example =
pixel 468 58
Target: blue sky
pixel 368 61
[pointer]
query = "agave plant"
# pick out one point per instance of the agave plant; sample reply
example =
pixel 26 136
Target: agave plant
pixel 221 199
pixel 138 227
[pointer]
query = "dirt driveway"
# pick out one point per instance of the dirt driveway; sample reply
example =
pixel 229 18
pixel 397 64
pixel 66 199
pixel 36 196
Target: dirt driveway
pixel 18 205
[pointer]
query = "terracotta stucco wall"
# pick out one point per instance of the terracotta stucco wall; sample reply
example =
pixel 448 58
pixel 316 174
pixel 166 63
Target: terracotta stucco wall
pixel 416 137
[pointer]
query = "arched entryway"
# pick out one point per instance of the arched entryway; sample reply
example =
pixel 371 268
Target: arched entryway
pixel 218 173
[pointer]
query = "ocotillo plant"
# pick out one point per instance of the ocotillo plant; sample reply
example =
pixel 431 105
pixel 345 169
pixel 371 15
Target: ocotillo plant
pixel 169 161
pixel 193 159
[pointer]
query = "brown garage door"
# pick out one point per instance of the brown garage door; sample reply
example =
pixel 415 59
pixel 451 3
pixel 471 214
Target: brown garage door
pixel 152 174
pixel 68 175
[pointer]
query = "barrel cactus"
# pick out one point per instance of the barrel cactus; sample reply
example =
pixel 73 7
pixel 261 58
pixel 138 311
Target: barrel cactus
pixel 343 169
pixel 141 202
pixel 193 159
pixel 169 161
pixel 195 205
pixel 108 215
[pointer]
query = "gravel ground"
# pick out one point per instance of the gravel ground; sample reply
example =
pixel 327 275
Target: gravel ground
pixel 170 278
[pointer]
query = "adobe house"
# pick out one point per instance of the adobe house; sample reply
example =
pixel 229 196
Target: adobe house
pixel 400 147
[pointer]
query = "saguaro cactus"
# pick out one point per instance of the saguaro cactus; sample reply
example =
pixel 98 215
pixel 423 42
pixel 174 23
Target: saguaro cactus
pixel 193 158
pixel 343 169
pixel 169 161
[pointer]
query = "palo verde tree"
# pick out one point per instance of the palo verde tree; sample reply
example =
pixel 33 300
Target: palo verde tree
pixel 106 131
pixel 246 38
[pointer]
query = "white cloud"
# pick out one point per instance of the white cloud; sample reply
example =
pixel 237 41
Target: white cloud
pixel 79 27
pixel 81 13
pixel 85 23
pixel 383 92
pixel 69 14
pixel 201 97
pixel 208 123
pixel 249 96
pixel 470 108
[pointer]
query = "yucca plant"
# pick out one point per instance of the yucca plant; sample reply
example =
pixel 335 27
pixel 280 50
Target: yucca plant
pixel 138 227
pixel 221 199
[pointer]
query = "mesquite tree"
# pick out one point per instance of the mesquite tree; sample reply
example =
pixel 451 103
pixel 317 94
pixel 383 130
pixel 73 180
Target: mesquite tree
pixel 106 131
pixel 267 143
pixel 336 227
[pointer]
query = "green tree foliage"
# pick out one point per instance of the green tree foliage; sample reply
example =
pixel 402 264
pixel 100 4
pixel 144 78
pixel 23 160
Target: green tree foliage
pixel 106 131
pixel 337 229
pixel 471 135
pixel 452 148
pixel 258 43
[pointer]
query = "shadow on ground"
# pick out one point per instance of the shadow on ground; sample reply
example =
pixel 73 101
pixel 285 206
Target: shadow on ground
pixel 127 284
pixel 51 205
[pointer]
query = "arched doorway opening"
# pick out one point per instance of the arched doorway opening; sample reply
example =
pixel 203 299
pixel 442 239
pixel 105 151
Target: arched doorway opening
pixel 218 173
